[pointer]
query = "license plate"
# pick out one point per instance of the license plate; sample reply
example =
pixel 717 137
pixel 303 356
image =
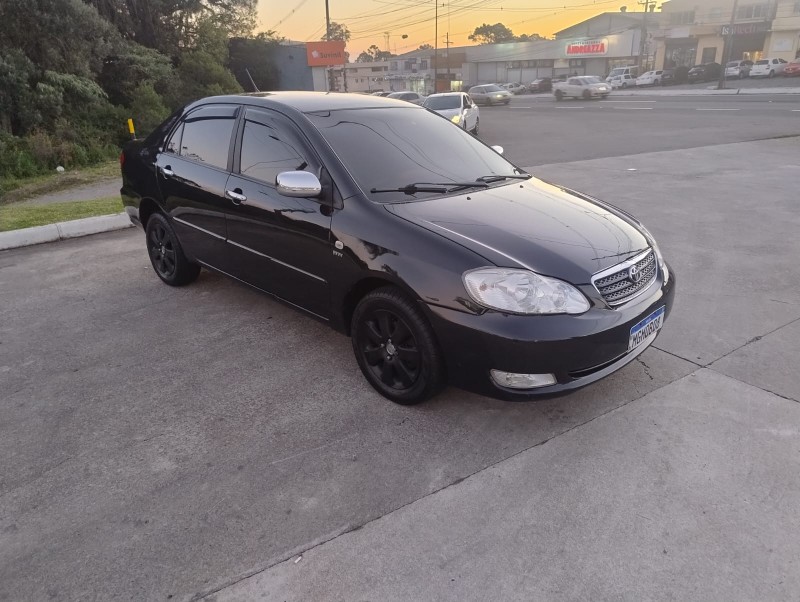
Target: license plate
pixel 643 330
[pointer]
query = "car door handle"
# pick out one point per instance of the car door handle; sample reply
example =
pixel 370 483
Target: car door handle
pixel 167 171
pixel 236 196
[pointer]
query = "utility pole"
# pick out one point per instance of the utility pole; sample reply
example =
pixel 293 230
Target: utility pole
pixel 436 47
pixel 643 36
pixel 727 46
pixel 447 58
pixel 328 37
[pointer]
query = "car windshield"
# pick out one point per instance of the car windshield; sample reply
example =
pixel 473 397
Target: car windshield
pixel 590 79
pixel 764 62
pixel 618 71
pixel 733 64
pixel 393 147
pixel 438 103
pixel 492 88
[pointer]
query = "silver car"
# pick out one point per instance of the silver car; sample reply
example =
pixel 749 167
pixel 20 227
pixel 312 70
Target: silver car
pixel 457 107
pixel 490 94
pixel 413 97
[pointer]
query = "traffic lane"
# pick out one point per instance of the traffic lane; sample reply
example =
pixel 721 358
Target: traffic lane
pixel 160 441
pixel 553 135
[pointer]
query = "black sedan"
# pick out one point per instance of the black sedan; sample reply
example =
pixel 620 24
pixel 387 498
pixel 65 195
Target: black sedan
pixel 444 262
pixel 704 73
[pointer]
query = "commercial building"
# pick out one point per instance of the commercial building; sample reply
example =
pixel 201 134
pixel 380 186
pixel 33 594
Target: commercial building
pixel 592 47
pixel 692 33
pixel 360 77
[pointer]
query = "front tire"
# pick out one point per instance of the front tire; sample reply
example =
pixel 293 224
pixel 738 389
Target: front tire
pixel 395 347
pixel 559 95
pixel 587 95
pixel 166 253
pixel 475 129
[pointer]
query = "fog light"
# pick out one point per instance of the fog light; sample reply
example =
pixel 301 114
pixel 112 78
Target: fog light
pixel 522 381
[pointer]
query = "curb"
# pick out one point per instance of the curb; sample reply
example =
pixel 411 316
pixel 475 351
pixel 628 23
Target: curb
pixel 63 230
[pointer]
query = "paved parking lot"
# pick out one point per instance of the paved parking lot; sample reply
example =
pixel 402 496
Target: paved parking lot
pixel 176 444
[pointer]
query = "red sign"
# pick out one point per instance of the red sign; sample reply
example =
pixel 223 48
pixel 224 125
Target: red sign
pixel 324 54
pixel 587 48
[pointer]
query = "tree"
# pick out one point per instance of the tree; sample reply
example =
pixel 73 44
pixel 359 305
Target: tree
pixel 533 37
pixel 338 32
pixel 255 55
pixel 373 53
pixel 492 34
pixel 425 47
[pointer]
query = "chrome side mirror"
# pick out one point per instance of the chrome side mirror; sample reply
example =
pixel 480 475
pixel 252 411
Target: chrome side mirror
pixel 298 184
pixel 498 149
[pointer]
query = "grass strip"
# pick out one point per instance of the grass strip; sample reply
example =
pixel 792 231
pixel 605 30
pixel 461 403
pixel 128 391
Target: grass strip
pixel 14 190
pixel 15 217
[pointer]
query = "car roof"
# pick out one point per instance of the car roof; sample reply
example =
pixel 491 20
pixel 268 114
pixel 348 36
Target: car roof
pixel 308 102
pixel 445 94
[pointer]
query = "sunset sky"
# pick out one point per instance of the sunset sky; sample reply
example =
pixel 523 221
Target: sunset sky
pixel 367 20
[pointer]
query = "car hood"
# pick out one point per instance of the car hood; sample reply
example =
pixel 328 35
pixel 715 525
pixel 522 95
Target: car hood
pixel 533 224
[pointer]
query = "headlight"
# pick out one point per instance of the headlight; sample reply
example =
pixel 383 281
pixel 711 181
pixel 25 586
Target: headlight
pixel 523 292
pixel 659 257
pixel 456 119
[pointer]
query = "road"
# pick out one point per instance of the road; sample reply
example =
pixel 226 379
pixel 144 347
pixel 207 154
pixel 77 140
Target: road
pixel 536 130
pixel 207 442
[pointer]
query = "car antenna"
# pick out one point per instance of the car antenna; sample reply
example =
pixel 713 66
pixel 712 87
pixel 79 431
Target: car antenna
pixel 255 88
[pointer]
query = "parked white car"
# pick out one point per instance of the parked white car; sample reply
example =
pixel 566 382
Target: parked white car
pixel 651 78
pixel 457 107
pixel 738 69
pixel 583 86
pixel 514 88
pixel 768 68
pixel 623 81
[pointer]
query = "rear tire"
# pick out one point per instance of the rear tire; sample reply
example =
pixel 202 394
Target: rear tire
pixel 587 95
pixel 396 348
pixel 559 95
pixel 166 253
pixel 771 74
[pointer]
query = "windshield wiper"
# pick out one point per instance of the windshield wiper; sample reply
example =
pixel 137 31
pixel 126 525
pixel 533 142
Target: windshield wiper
pixel 498 177
pixel 443 187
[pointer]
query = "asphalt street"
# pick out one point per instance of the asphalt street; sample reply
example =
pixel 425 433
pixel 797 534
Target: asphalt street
pixel 536 130
pixel 210 443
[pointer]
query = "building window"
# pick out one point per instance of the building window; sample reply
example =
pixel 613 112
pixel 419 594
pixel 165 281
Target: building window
pixel 393 66
pixel 682 18
pixel 576 62
pixel 423 64
pixel 753 11
pixel 709 55
pixel 545 62
pixel 715 14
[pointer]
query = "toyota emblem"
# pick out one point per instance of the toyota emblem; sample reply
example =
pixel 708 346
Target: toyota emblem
pixel 634 274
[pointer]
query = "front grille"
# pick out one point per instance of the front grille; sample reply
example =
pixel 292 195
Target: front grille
pixel 618 285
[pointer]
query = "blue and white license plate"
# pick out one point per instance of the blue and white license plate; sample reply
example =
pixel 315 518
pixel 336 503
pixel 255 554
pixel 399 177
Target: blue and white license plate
pixel 649 326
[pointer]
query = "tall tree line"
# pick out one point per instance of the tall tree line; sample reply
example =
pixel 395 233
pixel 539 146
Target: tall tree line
pixel 72 71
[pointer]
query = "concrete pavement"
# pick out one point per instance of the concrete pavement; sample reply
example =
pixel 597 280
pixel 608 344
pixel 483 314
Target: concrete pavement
pixel 179 443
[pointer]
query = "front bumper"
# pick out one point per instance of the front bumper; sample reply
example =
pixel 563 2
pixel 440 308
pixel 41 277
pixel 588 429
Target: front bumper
pixel 578 350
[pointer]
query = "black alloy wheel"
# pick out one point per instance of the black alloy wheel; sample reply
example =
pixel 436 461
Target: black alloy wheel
pixel 396 348
pixel 166 254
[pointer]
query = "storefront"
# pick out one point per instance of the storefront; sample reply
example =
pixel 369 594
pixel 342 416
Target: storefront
pixel 747 40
